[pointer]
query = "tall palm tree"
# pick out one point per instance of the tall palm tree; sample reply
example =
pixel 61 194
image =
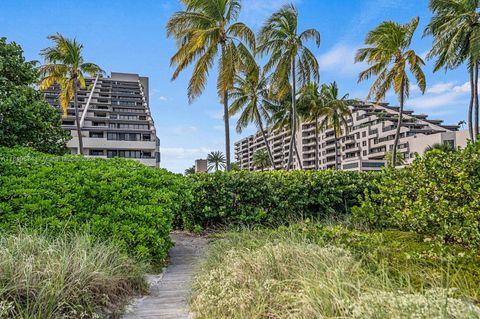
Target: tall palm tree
pixel 289 59
pixel 311 104
pixel 216 161
pixel 335 112
pixel 444 147
pixel 207 33
pixel 250 97
pixel 281 117
pixel 261 159
pixel 455 27
pixel 65 66
pixel 388 55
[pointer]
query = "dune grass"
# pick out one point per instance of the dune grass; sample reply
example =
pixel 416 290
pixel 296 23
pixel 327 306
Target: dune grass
pixel 331 272
pixel 68 276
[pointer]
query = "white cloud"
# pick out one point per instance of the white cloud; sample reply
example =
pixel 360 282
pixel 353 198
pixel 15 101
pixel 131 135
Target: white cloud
pixel 441 87
pixel 441 95
pixel 162 98
pixel 341 59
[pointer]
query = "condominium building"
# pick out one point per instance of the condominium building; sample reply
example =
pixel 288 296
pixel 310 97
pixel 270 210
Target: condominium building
pixel 362 146
pixel 115 118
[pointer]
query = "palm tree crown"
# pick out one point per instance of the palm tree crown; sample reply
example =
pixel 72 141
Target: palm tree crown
pixel 65 66
pixel 311 106
pixel 389 54
pixel 455 27
pixel 216 161
pixel 207 32
pixel 289 59
pixel 336 112
pixel 261 159
pixel 250 97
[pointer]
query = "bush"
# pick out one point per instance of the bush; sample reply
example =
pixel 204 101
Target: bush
pixel 71 276
pixel 437 195
pixel 116 200
pixel 271 198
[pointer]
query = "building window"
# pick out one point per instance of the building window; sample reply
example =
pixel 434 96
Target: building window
pixel 373 164
pixel 96 134
pixel 96 153
pixel 350 166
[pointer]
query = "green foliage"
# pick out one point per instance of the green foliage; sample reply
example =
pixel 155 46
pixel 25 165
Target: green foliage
pixel 437 195
pixel 271 198
pixel 26 118
pixel 117 200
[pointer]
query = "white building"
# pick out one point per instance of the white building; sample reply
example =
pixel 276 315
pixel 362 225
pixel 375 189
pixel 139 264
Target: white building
pixel 117 123
pixel 362 147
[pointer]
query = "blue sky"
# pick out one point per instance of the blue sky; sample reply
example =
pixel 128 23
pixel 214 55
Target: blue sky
pixel 129 36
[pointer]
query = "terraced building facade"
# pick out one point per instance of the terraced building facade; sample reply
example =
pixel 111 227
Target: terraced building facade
pixel 115 118
pixel 362 147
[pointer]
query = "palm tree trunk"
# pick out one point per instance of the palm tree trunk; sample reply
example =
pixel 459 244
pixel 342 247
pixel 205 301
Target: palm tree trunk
pixel 300 165
pixel 77 118
pixel 470 106
pixel 399 125
pixel 265 139
pixel 337 162
pixel 475 80
pixel 294 122
pixel 227 129
pixel 317 144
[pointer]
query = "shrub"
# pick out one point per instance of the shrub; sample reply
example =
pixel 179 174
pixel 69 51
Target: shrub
pixel 271 198
pixel 115 200
pixel 437 195
pixel 69 276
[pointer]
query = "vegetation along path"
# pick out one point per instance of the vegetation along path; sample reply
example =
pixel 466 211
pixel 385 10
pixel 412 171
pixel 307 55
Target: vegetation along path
pixel 169 290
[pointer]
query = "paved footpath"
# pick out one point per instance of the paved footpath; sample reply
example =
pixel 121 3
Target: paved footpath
pixel 169 291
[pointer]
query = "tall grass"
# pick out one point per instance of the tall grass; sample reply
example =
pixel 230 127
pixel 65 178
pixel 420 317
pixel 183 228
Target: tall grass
pixel 69 276
pixel 265 274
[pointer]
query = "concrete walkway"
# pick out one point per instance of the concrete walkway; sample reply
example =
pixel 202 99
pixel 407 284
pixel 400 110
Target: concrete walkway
pixel 169 291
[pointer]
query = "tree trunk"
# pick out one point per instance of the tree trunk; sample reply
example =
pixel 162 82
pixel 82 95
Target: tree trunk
pixel 294 122
pixel 77 118
pixel 227 129
pixel 470 106
pixel 317 145
pixel 475 80
pixel 337 163
pixel 300 165
pixel 399 125
pixel 265 140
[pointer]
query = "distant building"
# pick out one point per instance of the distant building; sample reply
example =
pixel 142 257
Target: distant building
pixel 370 135
pixel 117 123
pixel 201 166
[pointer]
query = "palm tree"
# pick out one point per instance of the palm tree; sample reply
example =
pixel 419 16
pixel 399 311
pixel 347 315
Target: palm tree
pixel 400 160
pixel 455 27
pixel 311 104
pixel 444 147
pixel 289 59
pixel 65 66
pixel 389 55
pixel 190 170
pixel 250 96
pixel 216 161
pixel 336 113
pixel 207 32
pixel 261 159
pixel 281 117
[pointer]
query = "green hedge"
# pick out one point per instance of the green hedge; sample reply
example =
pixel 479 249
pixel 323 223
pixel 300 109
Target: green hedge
pixel 116 200
pixel 438 195
pixel 271 198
